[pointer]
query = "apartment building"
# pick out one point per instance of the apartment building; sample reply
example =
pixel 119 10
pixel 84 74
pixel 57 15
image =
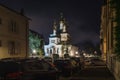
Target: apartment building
pixel 107 36
pixel 14 28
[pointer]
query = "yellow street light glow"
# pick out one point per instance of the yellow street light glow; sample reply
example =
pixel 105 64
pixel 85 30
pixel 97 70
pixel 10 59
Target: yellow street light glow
pixel 76 52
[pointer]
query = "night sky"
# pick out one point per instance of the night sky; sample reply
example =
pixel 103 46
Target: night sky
pixel 82 16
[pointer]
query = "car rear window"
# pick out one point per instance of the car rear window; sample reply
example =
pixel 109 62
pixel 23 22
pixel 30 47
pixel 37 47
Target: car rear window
pixel 37 65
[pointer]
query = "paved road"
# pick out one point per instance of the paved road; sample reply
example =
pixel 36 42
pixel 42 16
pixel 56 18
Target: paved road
pixel 100 72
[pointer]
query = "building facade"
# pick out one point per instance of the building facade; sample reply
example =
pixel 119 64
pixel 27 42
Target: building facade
pixel 14 28
pixel 59 41
pixel 107 36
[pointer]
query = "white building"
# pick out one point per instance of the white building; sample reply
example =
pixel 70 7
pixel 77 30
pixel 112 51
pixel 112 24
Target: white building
pixel 59 41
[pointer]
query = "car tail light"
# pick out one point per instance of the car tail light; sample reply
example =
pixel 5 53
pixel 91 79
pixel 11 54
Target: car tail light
pixel 14 75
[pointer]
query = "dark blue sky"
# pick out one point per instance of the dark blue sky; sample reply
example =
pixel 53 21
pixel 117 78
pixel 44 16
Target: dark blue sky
pixel 83 16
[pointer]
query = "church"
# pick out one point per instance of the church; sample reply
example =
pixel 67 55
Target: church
pixel 59 41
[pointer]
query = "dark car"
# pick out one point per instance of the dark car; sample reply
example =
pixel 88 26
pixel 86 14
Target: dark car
pixel 49 59
pixel 96 62
pixel 29 69
pixel 8 67
pixel 64 66
pixel 78 63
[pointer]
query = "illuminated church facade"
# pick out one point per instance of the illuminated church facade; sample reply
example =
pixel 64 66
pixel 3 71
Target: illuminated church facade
pixel 59 41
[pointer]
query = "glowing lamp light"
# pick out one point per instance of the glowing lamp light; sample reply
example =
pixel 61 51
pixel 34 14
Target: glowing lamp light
pixel 84 54
pixel 34 51
pixel 76 52
pixel 72 54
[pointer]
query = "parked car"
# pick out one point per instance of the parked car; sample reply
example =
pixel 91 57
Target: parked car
pixel 7 68
pixel 64 66
pixel 28 69
pixel 96 62
pixel 49 59
pixel 87 62
pixel 78 63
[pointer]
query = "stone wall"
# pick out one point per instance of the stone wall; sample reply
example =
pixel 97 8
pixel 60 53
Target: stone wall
pixel 114 66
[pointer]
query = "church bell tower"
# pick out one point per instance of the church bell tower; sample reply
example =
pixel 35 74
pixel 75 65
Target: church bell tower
pixel 63 30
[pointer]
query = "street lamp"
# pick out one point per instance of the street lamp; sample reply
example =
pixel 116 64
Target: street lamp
pixel 76 52
pixel 34 51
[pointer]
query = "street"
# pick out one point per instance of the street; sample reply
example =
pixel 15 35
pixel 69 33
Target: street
pixel 91 72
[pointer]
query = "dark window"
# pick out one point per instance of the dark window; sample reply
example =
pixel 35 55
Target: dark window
pixel 52 41
pixel 0 21
pixel 13 27
pixel 14 47
pixel 11 47
pixel 17 48
pixel 0 43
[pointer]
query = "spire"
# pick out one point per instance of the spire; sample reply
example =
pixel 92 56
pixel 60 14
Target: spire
pixel 61 21
pixel 63 25
pixel 54 28
pixel 61 16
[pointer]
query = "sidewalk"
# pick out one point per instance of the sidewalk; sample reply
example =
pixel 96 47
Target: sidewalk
pixel 93 73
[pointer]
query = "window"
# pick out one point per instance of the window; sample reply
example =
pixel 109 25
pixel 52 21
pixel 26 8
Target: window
pixel 13 47
pixel 47 50
pixel 52 41
pixel 13 27
pixel 17 48
pixel 0 21
pixel 0 43
pixel 57 50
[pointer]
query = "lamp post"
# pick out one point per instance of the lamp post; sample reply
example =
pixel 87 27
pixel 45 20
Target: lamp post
pixel 76 54
pixel 34 52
